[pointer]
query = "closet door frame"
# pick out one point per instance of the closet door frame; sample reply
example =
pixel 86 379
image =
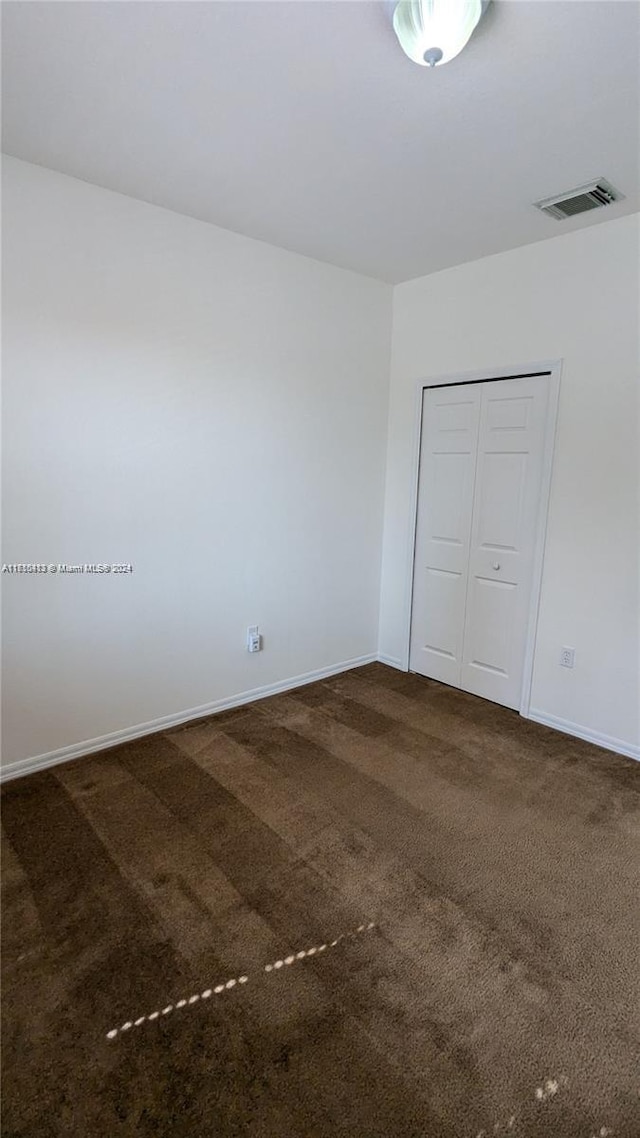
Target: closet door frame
pixel 548 371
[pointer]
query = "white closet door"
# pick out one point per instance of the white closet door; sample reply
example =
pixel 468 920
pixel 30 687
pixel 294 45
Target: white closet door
pixel 503 537
pixel 450 421
pixel 479 488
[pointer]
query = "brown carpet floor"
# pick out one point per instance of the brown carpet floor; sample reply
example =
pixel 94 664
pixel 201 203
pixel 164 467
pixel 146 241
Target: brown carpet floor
pixel 497 993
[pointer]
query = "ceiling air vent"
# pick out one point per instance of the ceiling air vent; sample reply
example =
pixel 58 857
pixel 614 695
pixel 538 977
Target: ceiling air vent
pixel 592 196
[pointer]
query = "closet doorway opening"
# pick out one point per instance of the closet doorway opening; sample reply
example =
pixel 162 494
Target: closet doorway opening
pixel 483 476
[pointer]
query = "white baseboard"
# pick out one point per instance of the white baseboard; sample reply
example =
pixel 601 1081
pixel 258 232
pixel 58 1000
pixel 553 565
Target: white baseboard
pixel 90 746
pixel 607 741
pixel 103 742
pixel 392 661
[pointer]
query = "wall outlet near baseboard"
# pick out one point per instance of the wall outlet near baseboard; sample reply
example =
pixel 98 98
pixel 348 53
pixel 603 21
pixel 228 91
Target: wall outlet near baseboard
pixel 254 639
pixel 567 657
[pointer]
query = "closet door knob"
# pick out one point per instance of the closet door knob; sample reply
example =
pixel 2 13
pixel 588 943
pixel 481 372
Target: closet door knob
pixel 496 565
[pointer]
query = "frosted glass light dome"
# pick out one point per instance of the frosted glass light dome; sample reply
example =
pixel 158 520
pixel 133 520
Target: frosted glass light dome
pixel 434 31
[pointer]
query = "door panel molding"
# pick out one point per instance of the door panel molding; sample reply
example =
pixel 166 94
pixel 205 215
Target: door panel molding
pixel 549 371
pixel 448 468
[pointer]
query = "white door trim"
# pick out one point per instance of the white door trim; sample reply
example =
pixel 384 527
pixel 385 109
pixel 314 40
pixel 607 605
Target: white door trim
pixel 549 370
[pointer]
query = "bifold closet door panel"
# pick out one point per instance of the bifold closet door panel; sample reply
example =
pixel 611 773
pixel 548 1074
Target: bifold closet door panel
pixel 448 450
pixel 506 504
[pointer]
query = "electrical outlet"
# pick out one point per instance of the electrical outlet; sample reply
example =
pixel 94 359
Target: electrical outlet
pixel 567 657
pixel 254 639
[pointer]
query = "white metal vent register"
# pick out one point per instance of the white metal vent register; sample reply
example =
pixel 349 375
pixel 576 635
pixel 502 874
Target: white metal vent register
pixel 594 195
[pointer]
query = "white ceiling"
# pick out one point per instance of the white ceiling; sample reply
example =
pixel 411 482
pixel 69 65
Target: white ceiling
pixel 303 124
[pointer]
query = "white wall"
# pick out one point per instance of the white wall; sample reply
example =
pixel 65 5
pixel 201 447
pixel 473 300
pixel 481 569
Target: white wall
pixel 213 410
pixel 204 406
pixel 575 297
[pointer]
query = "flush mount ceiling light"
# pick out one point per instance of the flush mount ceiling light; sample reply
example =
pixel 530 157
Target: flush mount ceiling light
pixel 432 32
